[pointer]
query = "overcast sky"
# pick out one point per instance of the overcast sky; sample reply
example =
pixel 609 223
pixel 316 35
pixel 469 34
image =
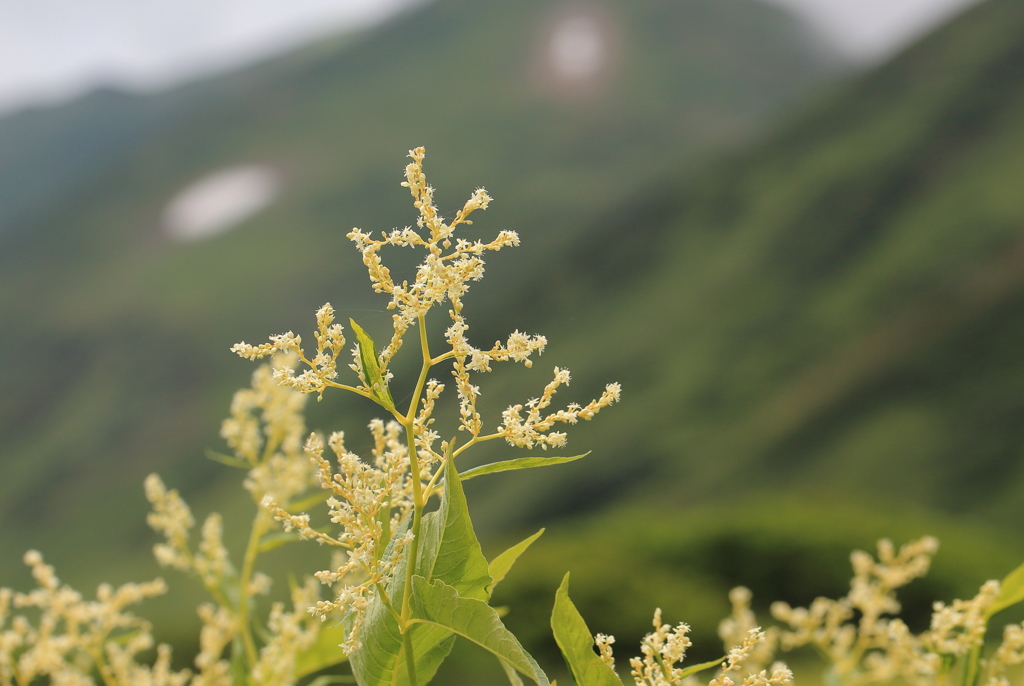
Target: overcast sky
pixel 51 50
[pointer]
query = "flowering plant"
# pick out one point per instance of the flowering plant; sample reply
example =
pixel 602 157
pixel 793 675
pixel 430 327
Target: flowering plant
pixel 407 581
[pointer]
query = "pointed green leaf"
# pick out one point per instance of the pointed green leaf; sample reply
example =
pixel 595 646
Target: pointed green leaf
pixel 500 565
pixel 239 673
pixel 693 669
pixel 276 540
pixel 381 660
pixel 328 679
pixel 326 652
pixel 518 463
pixel 577 643
pixel 448 549
pixel 227 459
pixel 459 561
pixel 438 604
pixel 1011 592
pixel 511 673
pixel 309 501
pixel 371 370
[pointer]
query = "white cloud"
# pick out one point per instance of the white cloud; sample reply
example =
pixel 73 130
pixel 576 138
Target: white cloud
pixel 871 30
pixel 54 49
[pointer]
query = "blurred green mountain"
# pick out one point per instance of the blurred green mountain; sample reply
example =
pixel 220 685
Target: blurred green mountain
pixel 837 311
pixel 819 343
pixel 117 337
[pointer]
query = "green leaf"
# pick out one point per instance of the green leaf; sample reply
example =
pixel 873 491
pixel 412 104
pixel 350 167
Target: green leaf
pixel 276 540
pixel 328 679
pixel 326 652
pixel 518 463
pixel 227 459
pixel 459 560
pixel 308 501
pixel 448 550
pixel 500 565
pixel 511 673
pixel 371 371
pixel 239 672
pixel 1011 592
pixel 381 661
pixel 440 605
pixel 577 643
pixel 693 669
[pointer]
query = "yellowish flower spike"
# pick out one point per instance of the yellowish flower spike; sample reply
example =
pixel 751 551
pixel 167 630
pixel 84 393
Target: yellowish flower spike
pixel 370 499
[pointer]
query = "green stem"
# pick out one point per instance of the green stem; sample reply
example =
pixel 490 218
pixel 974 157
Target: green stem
pixel 387 603
pixel 473 441
pixel 972 668
pixel 417 498
pixel 101 665
pixel 410 416
pixel 410 659
pixel 417 515
pixel 259 527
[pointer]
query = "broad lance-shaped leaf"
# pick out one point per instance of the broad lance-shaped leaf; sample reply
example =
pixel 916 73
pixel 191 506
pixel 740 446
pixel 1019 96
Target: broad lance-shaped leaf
pixel 448 550
pixel 276 540
pixel 459 561
pixel 577 643
pixel 328 679
pixel 371 370
pixel 512 674
pixel 322 654
pixel 500 565
pixel 1011 592
pixel 438 604
pixel 227 459
pixel 381 660
pixel 518 463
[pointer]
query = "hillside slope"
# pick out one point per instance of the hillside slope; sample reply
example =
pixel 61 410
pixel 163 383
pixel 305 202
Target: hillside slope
pixel 839 311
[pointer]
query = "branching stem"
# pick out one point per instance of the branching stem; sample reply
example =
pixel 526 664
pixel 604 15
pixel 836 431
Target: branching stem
pixel 409 422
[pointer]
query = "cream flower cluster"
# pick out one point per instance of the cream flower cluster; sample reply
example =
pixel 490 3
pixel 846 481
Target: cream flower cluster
pixel 737 658
pixel 73 638
pixel 829 624
pixel 264 430
pixel 866 644
pixel 292 631
pixel 535 428
pixel 861 640
pixel 322 369
pixel 664 649
pixel 363 498
pixel 449 266
pixel 734 629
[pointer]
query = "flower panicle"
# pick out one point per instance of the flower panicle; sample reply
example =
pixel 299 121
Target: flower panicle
pixel 72 637
pixel 534 428
pixel 370 501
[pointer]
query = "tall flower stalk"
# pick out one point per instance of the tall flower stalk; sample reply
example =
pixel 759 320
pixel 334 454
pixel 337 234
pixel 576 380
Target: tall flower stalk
pixel 381 506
